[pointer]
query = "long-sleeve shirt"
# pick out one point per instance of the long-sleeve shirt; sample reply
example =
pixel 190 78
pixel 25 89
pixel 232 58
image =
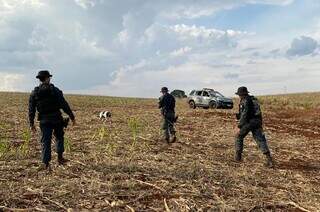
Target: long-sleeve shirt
pixel 48 100
pixel 246 111
pixel 167 103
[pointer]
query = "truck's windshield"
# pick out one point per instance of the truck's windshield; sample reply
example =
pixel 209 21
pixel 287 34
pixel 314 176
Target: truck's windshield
pixel 216 93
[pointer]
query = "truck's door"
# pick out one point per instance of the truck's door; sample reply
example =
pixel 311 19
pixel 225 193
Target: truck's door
pixel 198 97
pixel 206 98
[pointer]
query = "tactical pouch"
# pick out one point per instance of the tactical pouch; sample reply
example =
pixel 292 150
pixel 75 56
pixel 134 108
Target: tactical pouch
pixel 170 116
pixel 255 123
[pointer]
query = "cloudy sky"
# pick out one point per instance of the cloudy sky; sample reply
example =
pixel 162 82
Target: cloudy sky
pixel 134 47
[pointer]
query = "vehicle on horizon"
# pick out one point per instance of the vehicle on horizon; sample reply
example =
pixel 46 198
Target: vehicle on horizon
pixel 209 98
pixel 178 94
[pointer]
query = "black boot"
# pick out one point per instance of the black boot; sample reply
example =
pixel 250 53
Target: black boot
pixel 61 159
pixel 167 140
pixel 238 157
pixel 269 161
pixel 174 139
pixel 45 167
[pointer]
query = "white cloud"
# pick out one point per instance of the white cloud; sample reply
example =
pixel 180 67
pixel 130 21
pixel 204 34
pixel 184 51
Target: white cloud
pixel 202 36
pixel 286 74
pixel 169 38
pixel 275 2
pixel 123 37
pixel 180 52
pixel 186 31
pixel 85 4
pixel 190 9
pixel 11 82
pixel 12 5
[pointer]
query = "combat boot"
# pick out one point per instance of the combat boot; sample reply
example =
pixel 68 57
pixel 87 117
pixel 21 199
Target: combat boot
pixel 167 140
pixel 62 160
pixel 269 161
pixel 174 139
pixel 45 167
pixel 238 157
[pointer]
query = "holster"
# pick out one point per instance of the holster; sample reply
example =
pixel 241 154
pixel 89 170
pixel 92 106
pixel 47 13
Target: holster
pixel 255 123
pixel 65 122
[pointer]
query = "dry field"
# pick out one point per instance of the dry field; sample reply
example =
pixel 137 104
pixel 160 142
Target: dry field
pixel 122 165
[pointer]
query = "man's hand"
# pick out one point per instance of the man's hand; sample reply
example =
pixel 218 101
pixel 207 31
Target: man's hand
pixel 33 129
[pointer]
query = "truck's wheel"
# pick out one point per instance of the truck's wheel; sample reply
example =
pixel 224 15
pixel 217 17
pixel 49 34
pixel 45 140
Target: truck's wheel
pixel 192 105
pixel 213 105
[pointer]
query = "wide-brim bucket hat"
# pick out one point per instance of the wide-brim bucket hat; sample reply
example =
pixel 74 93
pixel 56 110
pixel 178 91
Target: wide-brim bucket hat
pixel 43 74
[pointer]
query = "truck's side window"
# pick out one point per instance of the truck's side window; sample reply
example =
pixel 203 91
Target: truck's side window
pixel 198 93
pixel 192 93
pixel 205 93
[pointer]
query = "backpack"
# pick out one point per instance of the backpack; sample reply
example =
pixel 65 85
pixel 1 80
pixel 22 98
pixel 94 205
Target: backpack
pixel 47 101
pixel 256 107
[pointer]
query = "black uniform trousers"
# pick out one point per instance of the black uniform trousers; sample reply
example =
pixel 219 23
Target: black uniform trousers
pixel 255 127
pixel 47 130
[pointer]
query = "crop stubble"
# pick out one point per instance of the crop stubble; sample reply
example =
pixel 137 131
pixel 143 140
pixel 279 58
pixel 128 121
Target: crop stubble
pixel 122 165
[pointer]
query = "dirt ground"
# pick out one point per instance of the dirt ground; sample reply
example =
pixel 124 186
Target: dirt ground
pixel 122 165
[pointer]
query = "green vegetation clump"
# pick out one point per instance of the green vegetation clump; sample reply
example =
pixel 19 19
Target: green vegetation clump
pixel 135 127
pixel 4 147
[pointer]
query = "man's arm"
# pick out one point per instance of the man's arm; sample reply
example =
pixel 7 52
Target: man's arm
pixel 32 109
pixel 161 104
pixel 244 114
pixel 174 102
pixel 64 105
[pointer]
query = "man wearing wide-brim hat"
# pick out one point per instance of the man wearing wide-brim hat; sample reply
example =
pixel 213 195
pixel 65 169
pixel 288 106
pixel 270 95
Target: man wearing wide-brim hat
pixel 250 120
pixel 48 100
pixel 167 104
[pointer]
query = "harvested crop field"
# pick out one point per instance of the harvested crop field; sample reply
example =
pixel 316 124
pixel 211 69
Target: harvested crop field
pixel 122 165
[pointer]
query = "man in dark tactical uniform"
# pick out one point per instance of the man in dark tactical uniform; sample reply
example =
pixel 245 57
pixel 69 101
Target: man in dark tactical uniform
pixel 250 120
pixel 48 100
pixel 167 104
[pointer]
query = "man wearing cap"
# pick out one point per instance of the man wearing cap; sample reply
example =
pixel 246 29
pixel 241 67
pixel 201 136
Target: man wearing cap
pixel 250 120
pixel 48 100
pixel 167 104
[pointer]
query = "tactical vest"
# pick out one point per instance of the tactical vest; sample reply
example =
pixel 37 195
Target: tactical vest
pixel 250 112
pixel 169 103
pixel 47 101
pixel 256 107
pixel 254 111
